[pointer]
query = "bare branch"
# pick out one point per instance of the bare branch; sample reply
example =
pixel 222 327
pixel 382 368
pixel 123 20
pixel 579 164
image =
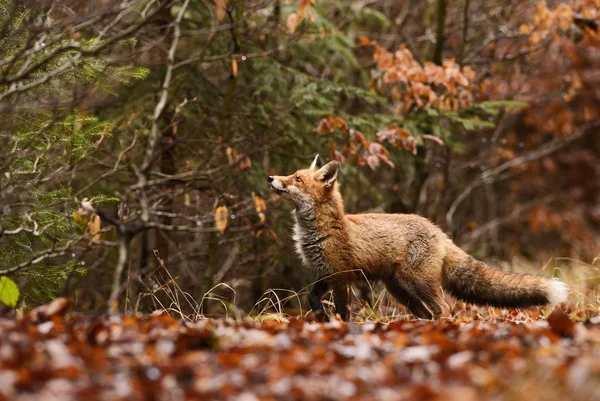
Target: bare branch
pixel 489 176
pixel 160 106
pixel 123 249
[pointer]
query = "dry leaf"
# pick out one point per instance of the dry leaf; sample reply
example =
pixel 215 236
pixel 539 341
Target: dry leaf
pixel 234 68
pixel 245 163
pixel 524 29
pixel 220 9
pixel 59 306
pixel 292 22
pixel 303 7
pixel 357 136
pixel 221 218
pixel 373 162
pixel 561 324
pixel 364 41
pixel 465 358
pixel 329 124
pixel 261 207
pixel 93 228
pixel 230 154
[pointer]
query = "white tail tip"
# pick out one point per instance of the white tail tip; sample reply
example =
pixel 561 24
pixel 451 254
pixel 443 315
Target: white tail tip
pixel 558 292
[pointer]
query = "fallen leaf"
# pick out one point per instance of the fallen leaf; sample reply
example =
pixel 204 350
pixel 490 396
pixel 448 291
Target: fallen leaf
pixel 561 324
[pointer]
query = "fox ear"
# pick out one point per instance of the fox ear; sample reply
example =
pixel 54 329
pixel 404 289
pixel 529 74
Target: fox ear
pixel 317 163
pixel 328 173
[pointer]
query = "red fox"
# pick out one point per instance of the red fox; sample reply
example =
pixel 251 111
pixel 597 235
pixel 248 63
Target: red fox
pixel 408 253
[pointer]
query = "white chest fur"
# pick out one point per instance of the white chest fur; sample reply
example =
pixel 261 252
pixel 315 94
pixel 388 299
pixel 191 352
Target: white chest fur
pixel 309 246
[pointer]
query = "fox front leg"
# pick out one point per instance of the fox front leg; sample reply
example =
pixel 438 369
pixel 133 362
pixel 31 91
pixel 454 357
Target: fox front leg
pixel 315 296
pixel 341 299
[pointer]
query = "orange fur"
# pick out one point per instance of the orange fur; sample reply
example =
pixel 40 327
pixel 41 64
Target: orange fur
pixel 410 254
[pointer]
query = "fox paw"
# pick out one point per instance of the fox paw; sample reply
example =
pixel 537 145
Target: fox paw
pixel 320 316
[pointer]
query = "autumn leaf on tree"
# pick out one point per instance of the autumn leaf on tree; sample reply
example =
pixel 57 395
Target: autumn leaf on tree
pixel 245 163
pixel 220 9
pixel 231 154
pixel 303 7
pixel 292 22
pixel 93 228
pixel 364 41
pixel 221 218
pixel 329 124
pixel 234 68
pixel 260 207
pixel 88 221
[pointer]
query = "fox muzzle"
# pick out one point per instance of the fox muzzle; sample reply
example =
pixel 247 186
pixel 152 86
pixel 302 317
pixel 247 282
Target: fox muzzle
pixel 277 186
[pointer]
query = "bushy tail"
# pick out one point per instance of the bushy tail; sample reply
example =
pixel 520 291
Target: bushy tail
pixel 475 282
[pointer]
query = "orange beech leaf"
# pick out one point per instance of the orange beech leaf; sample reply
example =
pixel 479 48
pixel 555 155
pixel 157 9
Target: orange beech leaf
pixel 325 126
pixel 357 136
pixel 220 9
pixel 221 218
pixel 524 29
pixel 364 41
pixel 245 163
pixel 93 228
pixel 234 67
pixel 292 22
pixel 303 7
pixel 329 124
pixel 339 123
pixel 260 206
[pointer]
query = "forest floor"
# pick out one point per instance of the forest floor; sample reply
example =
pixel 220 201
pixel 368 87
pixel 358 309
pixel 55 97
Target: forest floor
pixel 51 353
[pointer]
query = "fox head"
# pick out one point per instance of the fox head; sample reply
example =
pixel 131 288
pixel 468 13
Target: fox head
pixel 308 187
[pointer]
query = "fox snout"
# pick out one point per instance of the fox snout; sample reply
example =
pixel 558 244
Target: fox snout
pixel 276 185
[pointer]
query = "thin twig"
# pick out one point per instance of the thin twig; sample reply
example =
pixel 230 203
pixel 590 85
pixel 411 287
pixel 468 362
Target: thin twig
pixel 490 176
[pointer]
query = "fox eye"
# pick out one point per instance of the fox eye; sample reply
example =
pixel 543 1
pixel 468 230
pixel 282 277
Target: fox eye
pixel 298 179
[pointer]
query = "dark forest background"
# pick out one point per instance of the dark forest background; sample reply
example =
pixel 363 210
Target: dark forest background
pixel 137 136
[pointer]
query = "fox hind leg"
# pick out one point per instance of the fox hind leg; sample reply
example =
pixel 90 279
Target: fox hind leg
pixel 406 296
pixel 430 294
